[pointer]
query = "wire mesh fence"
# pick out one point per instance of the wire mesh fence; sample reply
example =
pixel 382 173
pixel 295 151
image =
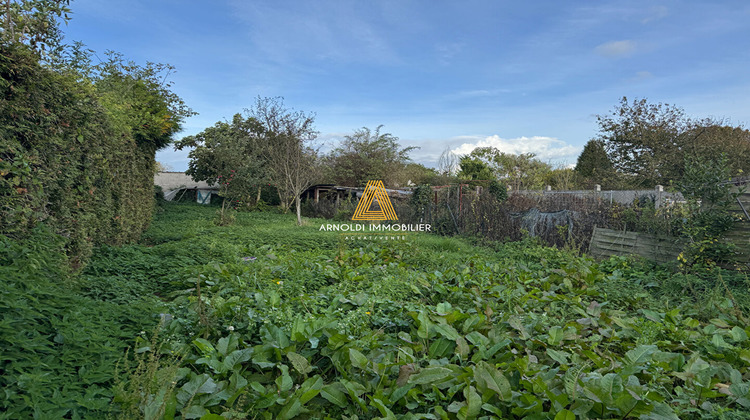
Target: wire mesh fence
pixel 557 218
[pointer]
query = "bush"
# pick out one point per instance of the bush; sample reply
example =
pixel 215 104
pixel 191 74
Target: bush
pixel 75 154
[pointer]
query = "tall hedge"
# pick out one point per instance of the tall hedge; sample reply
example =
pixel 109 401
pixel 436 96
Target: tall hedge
pixel 68 157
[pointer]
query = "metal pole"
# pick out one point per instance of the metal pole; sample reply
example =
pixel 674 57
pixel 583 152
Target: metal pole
pixel 452 217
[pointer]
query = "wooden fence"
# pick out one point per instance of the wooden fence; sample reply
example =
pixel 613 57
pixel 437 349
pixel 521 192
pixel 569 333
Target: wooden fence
pixel 740 234
pixel 608 242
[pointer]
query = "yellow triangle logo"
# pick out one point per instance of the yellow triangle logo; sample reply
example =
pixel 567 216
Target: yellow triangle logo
pixel 375 190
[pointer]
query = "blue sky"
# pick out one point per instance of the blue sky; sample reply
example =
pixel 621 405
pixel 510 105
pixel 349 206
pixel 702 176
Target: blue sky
pixel 521 76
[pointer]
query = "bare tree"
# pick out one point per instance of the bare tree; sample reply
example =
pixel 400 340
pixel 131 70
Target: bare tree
pixel 448 164
pixel 288 150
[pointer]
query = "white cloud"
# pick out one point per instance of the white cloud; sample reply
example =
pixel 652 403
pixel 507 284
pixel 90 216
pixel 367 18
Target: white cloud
pixel 655 13
pixel 326 31
pixel 546 149
pixel 616 48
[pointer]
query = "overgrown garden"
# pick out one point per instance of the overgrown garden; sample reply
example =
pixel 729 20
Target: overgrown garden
pixel 116 305
pixel 265 319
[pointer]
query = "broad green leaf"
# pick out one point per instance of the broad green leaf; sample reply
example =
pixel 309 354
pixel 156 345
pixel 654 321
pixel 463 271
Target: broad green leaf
pixel 738 334
pixel 198 384
pixel 310 388
pixel 476 338
pixel 291 409
pixel 424 325
pixel 284 382
pixel 355 390
pixel 462 347
pixel 193 412
pixel 745 355
pixel 430 375
pixel 640 355
pixel 443 308
pixel 204 346
pixel 447 331
pixel 718 341
pixel 492 409
pixel 516 324
pixel 720 323
pixel 335 393
pixel 211 416
pixel 227 345
pixel 488 377
pixel 473 402
pixel 611 385
pixel 236 357
pixel 560 357
pixel 653 316
pixel 441 347
pixel 570 380
pixel 275 336
pixel 299 362
pixel 358 359
pixel 384 411
pixel 555 335
pixel 565 415
pixel 661 411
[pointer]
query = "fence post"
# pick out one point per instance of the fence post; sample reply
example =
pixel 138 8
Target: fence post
pixel 659 190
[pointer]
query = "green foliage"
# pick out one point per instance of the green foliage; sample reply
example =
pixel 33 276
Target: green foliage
pixel 265 319
pixel 291 159
pixel 229 154
pixel 79 155
pixel 368 155
pixel 34 22
pixel 498 190
pixel 138 100
pixel 519 171
pixel 58 348
pixel 283 328
pixel 594 165
pixel 421 196
pixel 474 168
pixel 708 190
pixel 648 143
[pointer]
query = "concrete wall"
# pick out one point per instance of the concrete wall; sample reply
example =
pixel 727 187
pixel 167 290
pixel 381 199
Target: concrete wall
pixel 624 197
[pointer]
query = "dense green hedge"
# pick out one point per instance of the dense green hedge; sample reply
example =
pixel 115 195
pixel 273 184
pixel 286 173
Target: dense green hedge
pixel 73 153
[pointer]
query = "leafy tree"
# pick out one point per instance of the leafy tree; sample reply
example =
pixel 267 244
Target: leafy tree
pixel 415 174
pixel 472 168
pixel 709 195
pixel 593 160
pixel 291 160
pixel 75 151
pixel 648 143
pixel 562 178
pixel 34 22
pixel 519 171
pixel 367 155
pixel 594 165
pixel 229 151
pixel 642 139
